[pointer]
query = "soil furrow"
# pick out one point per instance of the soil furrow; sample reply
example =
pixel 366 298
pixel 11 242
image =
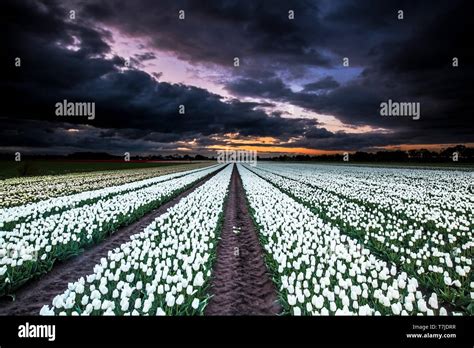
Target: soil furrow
pixel 31 297
pixel 241 284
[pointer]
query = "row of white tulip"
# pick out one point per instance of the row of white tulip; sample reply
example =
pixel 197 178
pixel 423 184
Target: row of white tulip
pixel 442 261
pixel 20 191
pixel 164 269
pixel 321 271
pixel 31 248
pixel 441 197
pixel 10 217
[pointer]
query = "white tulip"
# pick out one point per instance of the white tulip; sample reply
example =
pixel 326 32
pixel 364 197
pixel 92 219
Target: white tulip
pixel 45 310
pixel 96 304
pixel 396 308
pixel 103 289
pixel 433 301
pixel 170 300
pixel 421 305
pixel 180 300
pixel 291 300
pixel 198 279
pixel 160 311
pixel 345 301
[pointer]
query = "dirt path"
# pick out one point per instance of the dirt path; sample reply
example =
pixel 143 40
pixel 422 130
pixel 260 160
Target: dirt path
pixel 241 284
pixel 31 297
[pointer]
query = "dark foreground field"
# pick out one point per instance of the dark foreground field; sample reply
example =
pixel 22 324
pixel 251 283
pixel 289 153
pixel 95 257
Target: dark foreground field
pixel 10 169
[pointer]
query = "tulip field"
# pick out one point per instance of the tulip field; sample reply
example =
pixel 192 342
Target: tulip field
pixel 335 239
pixel 334 253
pixel 162 270
pixel 37 234
pixel 19 191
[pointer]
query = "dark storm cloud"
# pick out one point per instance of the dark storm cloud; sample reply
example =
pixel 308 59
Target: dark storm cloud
pixel 358 103
pixel 132 99
pixel 145 56
pixel 49 137
pixel 408 60
pixel 273 88
pixel 405 60
pixel 217 31
pixel 137 61
pixel 129 101
pixel 326 83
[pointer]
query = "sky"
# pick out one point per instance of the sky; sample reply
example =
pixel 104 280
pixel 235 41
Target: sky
pixel 140 62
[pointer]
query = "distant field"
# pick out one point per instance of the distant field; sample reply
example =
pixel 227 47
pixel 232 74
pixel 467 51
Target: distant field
pixel 450 165
pixel 10 169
